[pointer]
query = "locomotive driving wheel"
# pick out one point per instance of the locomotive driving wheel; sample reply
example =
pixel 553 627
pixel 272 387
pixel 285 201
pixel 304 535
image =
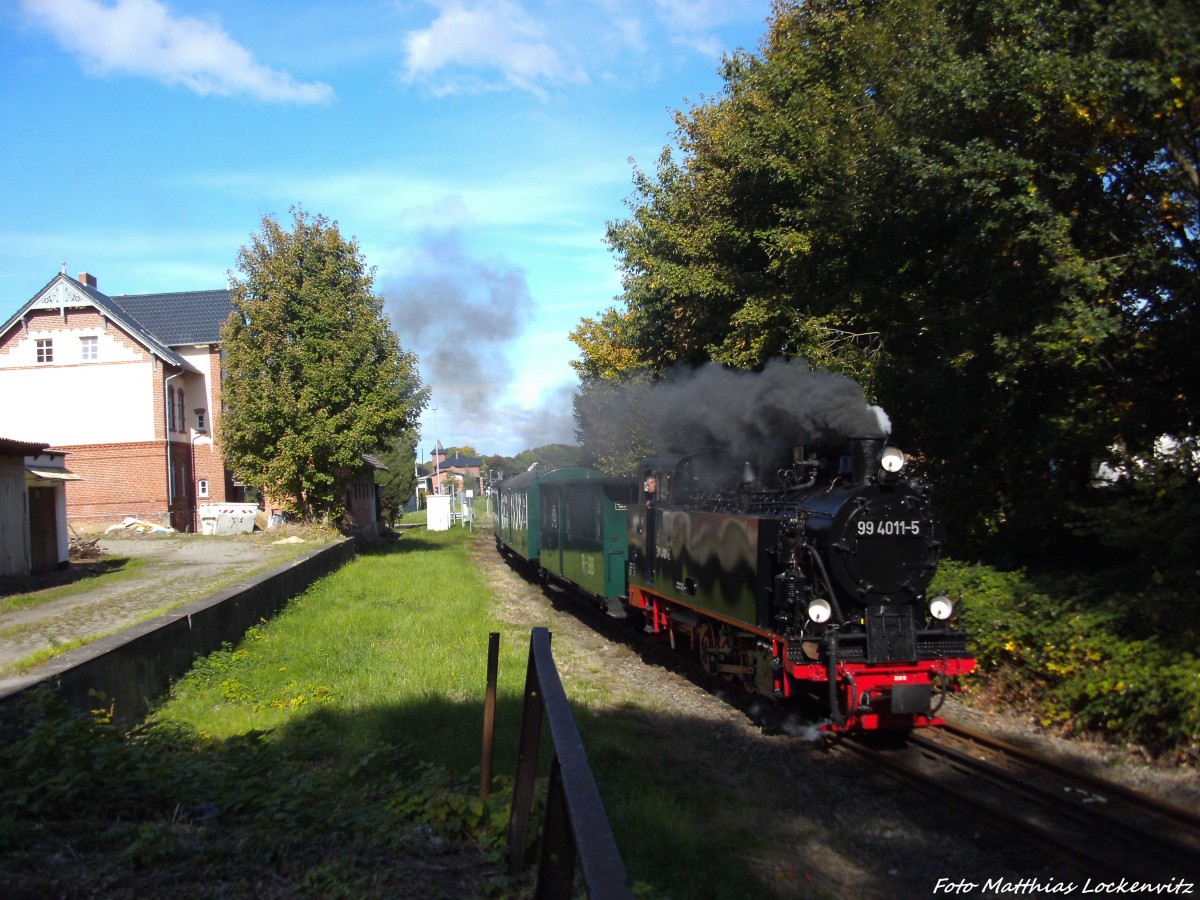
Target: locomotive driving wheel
pixel 709 651
pixel 716 649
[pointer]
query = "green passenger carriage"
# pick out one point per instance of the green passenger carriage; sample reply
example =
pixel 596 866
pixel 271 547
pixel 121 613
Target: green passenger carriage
pixel 584 526
pixel 571 524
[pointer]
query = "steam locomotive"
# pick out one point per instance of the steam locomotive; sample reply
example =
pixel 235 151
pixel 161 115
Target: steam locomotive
pixel 801 574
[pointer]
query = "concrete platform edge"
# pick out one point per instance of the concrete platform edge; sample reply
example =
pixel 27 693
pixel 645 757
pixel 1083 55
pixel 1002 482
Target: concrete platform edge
pixel 129 670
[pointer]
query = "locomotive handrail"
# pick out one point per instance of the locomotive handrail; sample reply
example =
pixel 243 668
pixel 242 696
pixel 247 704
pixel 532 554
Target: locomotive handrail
pixel 576 826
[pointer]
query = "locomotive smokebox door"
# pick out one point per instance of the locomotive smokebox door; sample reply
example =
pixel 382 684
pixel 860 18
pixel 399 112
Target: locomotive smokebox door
pixel 891 636
pixel 911 699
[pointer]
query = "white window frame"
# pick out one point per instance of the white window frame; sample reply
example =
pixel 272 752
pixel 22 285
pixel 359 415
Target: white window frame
pixel 45 350
pixel 89 348
pixel 202 487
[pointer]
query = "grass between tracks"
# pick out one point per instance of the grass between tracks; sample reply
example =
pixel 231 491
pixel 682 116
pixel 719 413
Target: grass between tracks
pixel 334 752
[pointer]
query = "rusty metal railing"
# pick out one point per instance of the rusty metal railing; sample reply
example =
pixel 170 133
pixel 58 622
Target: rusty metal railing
pixel 576 828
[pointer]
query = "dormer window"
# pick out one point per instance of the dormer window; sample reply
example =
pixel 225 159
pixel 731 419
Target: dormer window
pixel 45 350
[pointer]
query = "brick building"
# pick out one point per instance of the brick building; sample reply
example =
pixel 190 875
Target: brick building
pixel 462 471
pixel 130 386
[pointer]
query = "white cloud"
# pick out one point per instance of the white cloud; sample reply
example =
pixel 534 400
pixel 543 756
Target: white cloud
pixel 497 36
pixel 697 23
pixel 142 37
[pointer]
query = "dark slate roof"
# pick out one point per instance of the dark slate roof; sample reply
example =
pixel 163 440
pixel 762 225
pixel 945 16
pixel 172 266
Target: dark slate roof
pixel 160 321
pixel 462 462
pixel 184 317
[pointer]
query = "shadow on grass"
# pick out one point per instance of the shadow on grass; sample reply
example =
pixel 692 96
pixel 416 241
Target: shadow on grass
pixel 334 790
pixel 409 542
pixel 75 572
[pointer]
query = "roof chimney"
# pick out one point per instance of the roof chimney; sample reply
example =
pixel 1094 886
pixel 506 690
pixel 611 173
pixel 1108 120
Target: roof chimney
pixel 87 280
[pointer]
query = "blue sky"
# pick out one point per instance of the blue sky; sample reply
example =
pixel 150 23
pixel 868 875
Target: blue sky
pixel 475 149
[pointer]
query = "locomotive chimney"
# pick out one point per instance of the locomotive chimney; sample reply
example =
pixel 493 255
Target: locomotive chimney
pixel 864 454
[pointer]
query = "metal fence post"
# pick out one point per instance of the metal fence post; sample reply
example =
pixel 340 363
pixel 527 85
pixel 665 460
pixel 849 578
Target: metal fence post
pixel 489 715
pixel 527 754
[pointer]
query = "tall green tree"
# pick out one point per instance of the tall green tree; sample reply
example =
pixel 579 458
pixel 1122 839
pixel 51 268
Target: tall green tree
pixel 314 375
pixel 398 485
pixel 986 211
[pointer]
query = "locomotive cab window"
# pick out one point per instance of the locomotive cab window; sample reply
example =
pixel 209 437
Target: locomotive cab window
pixel 650 485
pixel 656 484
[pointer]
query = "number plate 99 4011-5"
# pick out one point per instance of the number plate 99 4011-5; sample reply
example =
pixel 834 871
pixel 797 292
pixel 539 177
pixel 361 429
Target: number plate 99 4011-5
pixel 888 528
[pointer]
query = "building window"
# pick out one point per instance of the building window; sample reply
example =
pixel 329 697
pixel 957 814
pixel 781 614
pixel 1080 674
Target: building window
pixel 200 423
pixel 170 410
pixel 182 412
pixel 89 349
pixel 202 488
pixel 45 350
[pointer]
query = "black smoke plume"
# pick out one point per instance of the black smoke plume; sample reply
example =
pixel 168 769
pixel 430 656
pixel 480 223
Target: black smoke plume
pixel 458 313
pixel 787 404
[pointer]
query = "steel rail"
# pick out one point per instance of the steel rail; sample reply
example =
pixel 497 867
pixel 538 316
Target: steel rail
pixel 1107 842
pixel 1102 786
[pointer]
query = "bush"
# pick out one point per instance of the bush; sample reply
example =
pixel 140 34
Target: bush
pixel 1052 647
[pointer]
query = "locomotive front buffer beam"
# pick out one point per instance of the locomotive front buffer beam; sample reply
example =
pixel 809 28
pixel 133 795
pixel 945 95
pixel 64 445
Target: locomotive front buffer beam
pixel 868 698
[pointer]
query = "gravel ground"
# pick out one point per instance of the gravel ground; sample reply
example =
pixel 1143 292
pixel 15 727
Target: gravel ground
pixel 843 831
pixel 177 569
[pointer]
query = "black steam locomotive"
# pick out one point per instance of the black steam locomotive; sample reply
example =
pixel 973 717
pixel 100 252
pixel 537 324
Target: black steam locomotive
pixel 802 575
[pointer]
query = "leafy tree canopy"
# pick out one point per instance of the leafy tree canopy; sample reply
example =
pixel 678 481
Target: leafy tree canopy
pixel 985 211
pixel 314 375
pixel 549 456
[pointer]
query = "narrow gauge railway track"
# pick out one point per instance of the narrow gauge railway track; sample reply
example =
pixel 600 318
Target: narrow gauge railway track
pixel 1106 830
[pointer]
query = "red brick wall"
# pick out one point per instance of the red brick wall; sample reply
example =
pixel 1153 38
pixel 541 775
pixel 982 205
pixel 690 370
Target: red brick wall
pixel 119 480
pixel 159 398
